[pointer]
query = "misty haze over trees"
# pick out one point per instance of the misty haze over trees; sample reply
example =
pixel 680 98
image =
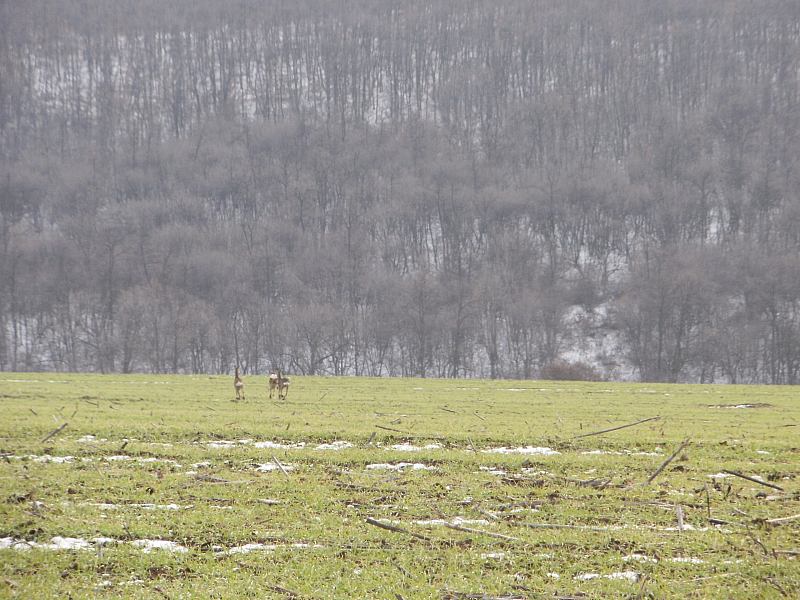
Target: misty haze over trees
pixel 415 187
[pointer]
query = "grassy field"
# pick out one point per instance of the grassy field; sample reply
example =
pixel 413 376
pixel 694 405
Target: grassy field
pixel 162 486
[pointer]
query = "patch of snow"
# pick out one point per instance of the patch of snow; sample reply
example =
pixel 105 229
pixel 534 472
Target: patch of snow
pixel 493 471
pixel 640 558
pixel 687 559
pixel 631 576
pixel 402 466
pixel 143 505
pixel 453 521
pixel 271 466
pixel 103 541
pixel 337 445
pixel 413 448
pixel 523 450
pixel 51 459
pixel 148 546
pixel 259 547
pixel 279 445
pixel 222 444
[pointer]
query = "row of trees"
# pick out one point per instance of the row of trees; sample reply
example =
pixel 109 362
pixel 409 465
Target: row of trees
pixel 416 188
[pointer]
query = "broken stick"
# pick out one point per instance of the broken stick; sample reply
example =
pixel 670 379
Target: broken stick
pixel 396 529
pixel 753 479
pixel 616 428
pixel 499 536
pixel 280 466
pixel 663 466
pixel 780 520
pixel 56 431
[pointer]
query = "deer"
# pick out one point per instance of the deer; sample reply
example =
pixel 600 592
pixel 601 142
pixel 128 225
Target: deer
pixel 277 381
pixel 238 385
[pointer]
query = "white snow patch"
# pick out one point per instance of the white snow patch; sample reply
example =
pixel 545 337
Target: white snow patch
pixel 337 445
pixel 640 558
pixel 621 453
pixel 148 546
pixel 125 457
pixel 413 448
pixel 56 543
pixel 49 459
pixel 104 541
pixel 222 444
pixel 67 543
pixel 631 576
pixel 687 559
pixel 523 450
pixel 453 521
pixel 402 466
pixel 271 466
pixel 142 505
pixel 442 522
pixel 279 445
pixel 258 547
pixel 493 471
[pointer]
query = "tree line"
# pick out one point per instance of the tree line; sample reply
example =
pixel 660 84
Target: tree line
pixel 422 187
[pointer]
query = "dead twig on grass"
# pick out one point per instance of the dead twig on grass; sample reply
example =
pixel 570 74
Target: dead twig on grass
pixel 56 431
pixel 280 466
pixel 753 479
pixel 759 542
pixel 640 595
pixel 390 429
pixel 663 466
pixel 220 480
pixel 774 583
pixel 560 526
pixel 499 536
pixel 583 435
pixel 781 520
pixel 283 590
pixel 396 529
pixel 479 596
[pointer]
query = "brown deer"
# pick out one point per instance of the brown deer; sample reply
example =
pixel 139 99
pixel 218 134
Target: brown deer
pixel 238 385
pixel 277 381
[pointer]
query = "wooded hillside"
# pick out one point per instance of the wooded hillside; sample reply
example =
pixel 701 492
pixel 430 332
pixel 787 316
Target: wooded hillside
pixel 412 187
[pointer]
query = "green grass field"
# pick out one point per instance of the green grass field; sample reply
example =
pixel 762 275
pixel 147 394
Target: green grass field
pixel 162 486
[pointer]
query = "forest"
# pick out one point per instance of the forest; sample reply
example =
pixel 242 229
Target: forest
pixel 431 188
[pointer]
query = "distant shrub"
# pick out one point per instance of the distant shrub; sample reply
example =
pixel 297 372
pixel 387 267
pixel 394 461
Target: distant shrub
pixel 562 370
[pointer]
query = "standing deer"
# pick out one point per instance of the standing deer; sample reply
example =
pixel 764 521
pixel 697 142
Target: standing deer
pixel 277 381
pixel 238 385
